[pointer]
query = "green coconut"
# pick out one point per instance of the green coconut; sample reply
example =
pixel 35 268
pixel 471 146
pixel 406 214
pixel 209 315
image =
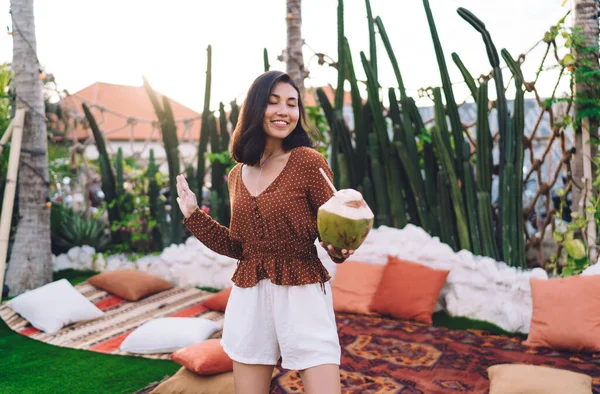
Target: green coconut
pixel 345 220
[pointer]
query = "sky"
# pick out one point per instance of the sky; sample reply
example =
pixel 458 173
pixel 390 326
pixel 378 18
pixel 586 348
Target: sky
pixel 119 41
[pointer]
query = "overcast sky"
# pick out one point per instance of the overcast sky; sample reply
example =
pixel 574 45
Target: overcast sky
pixel 118 41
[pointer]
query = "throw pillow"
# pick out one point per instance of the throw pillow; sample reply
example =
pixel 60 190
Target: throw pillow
pixel 218 302
pixel 204 358
pixel 130 285
pixel 408 290
pixel 566 313
pixel 168 334
pixel 53 306
pixel 532 379
pixel 354 285
pixel 185 381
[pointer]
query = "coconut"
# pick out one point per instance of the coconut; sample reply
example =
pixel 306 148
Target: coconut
pixel 345 220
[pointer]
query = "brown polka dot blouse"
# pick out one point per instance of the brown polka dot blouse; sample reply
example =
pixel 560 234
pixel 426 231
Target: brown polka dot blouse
pixel 272 235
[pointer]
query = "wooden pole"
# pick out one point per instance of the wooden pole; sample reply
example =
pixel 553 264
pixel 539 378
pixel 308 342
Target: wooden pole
pixel 10 189
pixel 588 179
pixel 6 136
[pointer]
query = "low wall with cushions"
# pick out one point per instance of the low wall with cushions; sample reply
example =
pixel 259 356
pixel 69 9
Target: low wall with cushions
pixel 477 287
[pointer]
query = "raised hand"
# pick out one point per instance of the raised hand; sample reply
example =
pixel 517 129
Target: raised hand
pixel 186 198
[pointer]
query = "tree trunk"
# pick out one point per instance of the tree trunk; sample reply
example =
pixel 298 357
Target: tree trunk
pixel 585 17
pixel 30 264
pixel 295 60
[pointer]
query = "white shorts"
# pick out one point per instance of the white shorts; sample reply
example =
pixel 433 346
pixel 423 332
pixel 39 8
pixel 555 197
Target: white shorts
pixel 267 321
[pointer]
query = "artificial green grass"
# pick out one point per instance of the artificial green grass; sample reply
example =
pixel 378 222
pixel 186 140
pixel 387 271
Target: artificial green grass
pixel 30 366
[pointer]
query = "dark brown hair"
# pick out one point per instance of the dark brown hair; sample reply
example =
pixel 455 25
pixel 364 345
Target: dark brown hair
pixel 249 137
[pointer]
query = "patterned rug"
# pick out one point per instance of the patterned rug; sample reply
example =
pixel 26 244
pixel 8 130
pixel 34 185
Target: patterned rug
pixel 390 356
pixel 121 317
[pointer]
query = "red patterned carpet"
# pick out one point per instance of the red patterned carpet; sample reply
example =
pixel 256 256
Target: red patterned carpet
pixel 390 356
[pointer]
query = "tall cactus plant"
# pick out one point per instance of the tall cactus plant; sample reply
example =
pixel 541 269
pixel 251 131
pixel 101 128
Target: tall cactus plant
pixel 109 183
pixel 204 133
pixel 169 135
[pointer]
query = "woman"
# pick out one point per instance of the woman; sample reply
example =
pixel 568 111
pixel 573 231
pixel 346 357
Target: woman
pixel 280 304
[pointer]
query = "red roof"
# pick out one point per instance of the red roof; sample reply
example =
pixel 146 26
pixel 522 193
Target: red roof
pixel 123 112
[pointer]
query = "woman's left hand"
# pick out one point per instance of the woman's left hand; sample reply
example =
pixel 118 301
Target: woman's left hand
pixel 338 254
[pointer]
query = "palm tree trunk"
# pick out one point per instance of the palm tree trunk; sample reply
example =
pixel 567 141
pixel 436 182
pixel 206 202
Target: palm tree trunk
pixel 295 60
pixel 586 18
pixel 30 264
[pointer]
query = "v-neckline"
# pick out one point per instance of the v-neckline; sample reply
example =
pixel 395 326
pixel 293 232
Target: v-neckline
pixel 283 170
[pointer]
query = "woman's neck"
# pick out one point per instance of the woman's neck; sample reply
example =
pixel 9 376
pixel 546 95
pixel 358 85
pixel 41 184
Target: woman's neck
pixel 272 148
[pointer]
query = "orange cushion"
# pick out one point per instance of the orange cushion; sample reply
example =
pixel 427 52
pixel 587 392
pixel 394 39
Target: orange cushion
pixel 408 290
pixel 130 285
pixel 218 302
pixel 204 358
pixel 354 285
pixel 521 378
pixel 185 381
pixel 566 313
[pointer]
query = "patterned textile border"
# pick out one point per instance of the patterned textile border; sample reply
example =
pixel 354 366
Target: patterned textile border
pixel 388 356
pixel 121 317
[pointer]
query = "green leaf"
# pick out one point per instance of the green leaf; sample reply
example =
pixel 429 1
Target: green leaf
pixel 575 248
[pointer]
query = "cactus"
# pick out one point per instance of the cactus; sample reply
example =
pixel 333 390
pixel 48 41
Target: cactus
pixel 519 126
pixel 457 200
pixel 440 118
pixel 234 114
pixel 395 188
pixel 414 177
pixel 119 172
pixel 452 108
pixel 360 125
pixel 204 132
pixel 223 132
pixel 161 231
pixel 266 60
pixel 171 143
pixel 506 142
pixel 109 186
pixel 329 115
pixel 486 225
pixel 485 144
pixel 376 109
pixel 471 208
pixel 379 183
pixel 447 224
pixel 431 168
pixel 372 42
pixel 466 75
pixel 341 63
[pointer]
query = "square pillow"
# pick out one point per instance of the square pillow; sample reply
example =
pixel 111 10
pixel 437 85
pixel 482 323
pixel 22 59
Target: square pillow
pixel 408 290
pixel 218 302
pixel 532 379
pixel 204 358
pixel 130 285
pixel 354 285
pixel 566 313
pixel 185 381
pixel 168 334
pixel 53 306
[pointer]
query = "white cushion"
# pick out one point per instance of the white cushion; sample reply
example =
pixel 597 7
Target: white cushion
pixel 53 306
pixel 168 334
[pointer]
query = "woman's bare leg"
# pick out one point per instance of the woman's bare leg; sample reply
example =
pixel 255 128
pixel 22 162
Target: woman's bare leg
pixel 322 379
pixel 252 378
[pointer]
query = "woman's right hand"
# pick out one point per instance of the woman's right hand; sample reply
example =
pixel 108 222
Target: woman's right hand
pixel 186 198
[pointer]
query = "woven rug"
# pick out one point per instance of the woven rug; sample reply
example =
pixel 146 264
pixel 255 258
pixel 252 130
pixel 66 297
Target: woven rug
pixel 121 317
pixel 390 356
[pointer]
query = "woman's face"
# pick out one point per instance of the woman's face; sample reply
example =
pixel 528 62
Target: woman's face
pixel 282 113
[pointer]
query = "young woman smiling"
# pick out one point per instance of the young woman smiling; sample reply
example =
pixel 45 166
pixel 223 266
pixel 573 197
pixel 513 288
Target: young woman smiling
pixel 280 304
